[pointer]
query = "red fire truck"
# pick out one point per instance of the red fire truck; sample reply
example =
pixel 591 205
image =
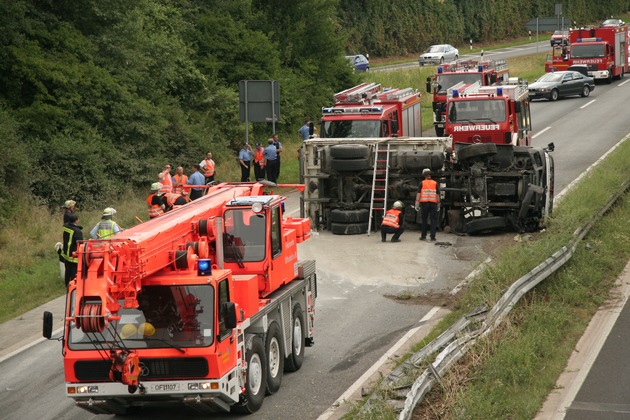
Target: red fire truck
pixel 367 111
pixel 462 71
pixel 203 306
pixel 489 114
pixel 604 50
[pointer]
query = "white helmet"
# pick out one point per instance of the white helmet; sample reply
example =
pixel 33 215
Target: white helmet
pixel 109 211
pixel 398 205
pixel 426 171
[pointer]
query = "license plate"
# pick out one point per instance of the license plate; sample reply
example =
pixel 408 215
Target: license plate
pixel 164 387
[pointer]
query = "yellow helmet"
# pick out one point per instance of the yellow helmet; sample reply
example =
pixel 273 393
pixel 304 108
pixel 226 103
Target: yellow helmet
pixel 128 330
pixel 146 329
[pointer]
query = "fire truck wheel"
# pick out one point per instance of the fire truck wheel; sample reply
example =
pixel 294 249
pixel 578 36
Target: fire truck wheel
pixel 256 374
pixel 586 91
pixel 349 228
pixel 275 358
pixel 485 224
pixel 349 216
pixel 342 165
pixel 349 151
pixel 476 150
pixel 553 96
pixel 293 362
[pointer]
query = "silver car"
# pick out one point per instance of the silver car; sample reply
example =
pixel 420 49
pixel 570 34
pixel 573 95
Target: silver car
pixel 439 54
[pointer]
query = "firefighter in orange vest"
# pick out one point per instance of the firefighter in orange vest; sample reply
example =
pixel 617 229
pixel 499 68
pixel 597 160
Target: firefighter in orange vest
pixel 207 167
pixel 259 162
pixel 165 180
pixel 179 180
pixel 172 200
pixel 154 201
pixel 427 201
pixel 393 222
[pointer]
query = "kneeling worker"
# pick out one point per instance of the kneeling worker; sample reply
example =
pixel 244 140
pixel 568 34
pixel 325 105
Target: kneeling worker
pixel 393 222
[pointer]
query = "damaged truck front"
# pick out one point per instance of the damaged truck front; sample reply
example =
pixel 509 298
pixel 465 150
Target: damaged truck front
pixel 350 182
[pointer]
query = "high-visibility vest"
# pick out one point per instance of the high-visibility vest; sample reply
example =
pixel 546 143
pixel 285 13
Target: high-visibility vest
pixel 167 183
pixel 208 169
pixel 181 180
pixel 258 156
pixel 428 192
pixel 105 229
pixel 65 251
pixel 391 218
pixel 155 210
pixel 171 199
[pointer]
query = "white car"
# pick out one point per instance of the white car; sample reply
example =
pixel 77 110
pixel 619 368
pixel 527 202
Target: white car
pixel 439 54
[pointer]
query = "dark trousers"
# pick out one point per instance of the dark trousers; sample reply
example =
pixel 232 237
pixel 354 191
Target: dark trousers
pixel 210 178
pixel 245 171
pixel 277 168
pixel 429 209
pixel 272 171
pixel 195 194
pixel 259 171
pixel 388 229
pixel 71 271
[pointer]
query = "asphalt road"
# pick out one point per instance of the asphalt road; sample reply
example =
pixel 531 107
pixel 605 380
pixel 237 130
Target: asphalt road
pixel 357 321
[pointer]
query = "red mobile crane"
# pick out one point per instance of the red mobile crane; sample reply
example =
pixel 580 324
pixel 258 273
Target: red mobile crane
pixel 368 111
pixel 206 305
pixel 461 71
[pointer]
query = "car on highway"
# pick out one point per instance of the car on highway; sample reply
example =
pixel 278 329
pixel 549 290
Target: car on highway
pixel 560 38
pixel 612 22
pixel 439 54
pixel 561 83
pixel 359 62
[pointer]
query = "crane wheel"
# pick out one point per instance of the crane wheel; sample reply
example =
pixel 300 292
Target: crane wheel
pixel 91 319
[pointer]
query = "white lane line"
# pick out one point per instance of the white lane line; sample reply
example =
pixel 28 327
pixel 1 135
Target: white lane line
pixel 587 104
pixel 29 345
pixel 540 132
pixel 376 366
pixel 624 82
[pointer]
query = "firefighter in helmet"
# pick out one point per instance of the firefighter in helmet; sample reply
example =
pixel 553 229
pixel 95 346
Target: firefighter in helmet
pixel 393 222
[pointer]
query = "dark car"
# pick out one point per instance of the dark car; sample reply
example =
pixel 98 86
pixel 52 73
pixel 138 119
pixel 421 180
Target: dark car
pixel 561 83
pixel 359 61
pixel 560 38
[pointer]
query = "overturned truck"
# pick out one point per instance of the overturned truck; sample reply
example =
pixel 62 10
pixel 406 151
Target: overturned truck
pixel 484 186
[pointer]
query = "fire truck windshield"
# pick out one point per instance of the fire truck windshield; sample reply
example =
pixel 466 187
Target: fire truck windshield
pixel 351 128
pixel 167 316
pixel 587 50
pixel 447 81
pixel 244 235
pixel 469 111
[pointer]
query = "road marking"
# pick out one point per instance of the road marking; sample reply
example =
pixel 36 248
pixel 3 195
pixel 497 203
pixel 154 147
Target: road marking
pixel 540 132
pixel 624 82
pixel 587 104
pixel 376 366
pixel 29 345
pixel 470 276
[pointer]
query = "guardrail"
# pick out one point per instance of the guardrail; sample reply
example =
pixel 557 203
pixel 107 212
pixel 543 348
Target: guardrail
pixel 461 336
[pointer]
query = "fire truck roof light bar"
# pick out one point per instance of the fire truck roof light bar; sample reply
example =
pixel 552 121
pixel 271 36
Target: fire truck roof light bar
pixel 589 40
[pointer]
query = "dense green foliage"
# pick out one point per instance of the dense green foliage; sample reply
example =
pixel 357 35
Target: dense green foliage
pixel 96 95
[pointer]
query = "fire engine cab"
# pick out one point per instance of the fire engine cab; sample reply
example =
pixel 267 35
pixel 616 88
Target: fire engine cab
pixel 487 73
pixel 368 111
pixel 489 114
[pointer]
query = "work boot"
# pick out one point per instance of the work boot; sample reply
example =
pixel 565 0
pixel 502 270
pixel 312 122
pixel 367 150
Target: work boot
pixel 423 238
pixel 383 239
pixel 433 239
pixel 395 240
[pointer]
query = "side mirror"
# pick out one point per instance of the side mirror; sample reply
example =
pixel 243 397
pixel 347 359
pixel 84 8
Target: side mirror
pixel 517 107
pixel 229 312
pixel 48 324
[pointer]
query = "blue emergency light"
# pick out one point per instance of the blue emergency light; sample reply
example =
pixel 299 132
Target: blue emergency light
pixel 499 91
pixel 204 267
pixel 480 68
pixel 440 70
pixel 455 93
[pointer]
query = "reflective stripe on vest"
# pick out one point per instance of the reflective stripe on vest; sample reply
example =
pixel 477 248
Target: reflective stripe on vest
pixel 428 193
pixel 180 179
pixel 208 170
pixel 105 229
pixel 155 210
pixel 65 251
pixel 391 218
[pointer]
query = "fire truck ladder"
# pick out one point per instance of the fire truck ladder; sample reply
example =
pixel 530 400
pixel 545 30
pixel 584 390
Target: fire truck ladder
pixel 380 181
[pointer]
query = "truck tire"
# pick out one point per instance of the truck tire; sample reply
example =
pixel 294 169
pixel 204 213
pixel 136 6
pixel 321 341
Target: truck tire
pixel 349 216
pixel 349 151
pixel 255 386
pixel 585 91
pixel 485 224
pixel 275 358
pixel 476 150
pixel 341 165
pixel 349 228
pixel 293 362
pixel 553 96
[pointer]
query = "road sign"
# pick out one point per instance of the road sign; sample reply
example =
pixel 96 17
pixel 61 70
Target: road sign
pixel 548 24
pixel 259 100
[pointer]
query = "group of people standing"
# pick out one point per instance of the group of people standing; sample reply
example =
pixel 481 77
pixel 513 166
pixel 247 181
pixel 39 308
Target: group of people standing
pixel 265 160
pixel 427 201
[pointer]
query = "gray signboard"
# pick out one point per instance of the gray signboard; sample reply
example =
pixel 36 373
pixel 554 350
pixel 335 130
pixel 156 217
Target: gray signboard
pixel 548 24
pixel 259 101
